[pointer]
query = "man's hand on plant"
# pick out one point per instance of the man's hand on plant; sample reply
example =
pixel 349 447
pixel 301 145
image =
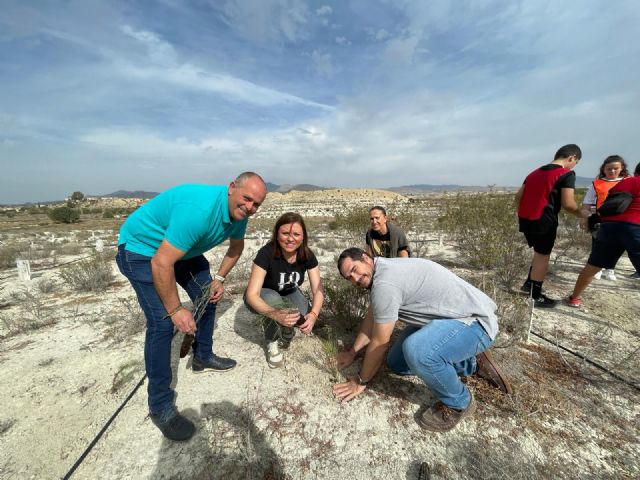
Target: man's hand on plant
pixel 346 358
pixel 217 289
pixel 348 390
pixel 183 320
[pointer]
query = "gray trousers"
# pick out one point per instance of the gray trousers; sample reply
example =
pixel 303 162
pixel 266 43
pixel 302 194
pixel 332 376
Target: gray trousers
pixel 273 330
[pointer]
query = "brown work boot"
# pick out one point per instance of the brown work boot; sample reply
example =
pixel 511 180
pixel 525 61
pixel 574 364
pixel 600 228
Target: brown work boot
pixel 488 369
pixel 440 418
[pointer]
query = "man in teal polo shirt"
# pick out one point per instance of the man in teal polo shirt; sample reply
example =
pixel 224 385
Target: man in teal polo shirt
pixel 161 245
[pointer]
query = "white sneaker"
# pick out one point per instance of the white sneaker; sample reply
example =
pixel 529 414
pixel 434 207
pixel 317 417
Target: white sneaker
pixel 598 275
pixel 610 274
pixel 274 355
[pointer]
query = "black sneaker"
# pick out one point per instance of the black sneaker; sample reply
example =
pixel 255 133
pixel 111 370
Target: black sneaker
pixel 526 288
pixel 173 425
pixel 213 364
pixel 544 302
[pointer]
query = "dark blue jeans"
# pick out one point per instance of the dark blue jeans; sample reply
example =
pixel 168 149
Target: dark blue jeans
pixel 192 275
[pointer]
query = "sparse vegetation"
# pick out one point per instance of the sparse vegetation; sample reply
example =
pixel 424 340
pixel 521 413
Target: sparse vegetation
pixel 126 373
pixel 33 313
pixel 345 304
pixel 486 232
pixel 64 214
pixel 125 321
pixel 8 256
pixel 92 274
pixel 46 285
pixel 6 424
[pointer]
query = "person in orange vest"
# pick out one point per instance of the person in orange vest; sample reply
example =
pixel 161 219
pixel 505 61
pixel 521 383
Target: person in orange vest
pixel 612 170
pixel 544 192
pixel 619 233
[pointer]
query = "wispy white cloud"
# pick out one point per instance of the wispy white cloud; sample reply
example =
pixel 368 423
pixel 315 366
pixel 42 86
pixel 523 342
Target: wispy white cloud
pixel 392 93
pixel 322 63
pixel 267 20
pixel 401 49
pixel 324 10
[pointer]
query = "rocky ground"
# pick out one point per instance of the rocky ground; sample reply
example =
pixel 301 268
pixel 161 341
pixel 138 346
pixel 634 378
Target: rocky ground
pixel 62 382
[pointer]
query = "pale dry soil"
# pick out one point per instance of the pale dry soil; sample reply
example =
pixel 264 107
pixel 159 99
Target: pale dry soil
pixel 566 419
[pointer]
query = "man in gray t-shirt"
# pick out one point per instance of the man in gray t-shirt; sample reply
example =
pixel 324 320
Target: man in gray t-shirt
pixel 450 326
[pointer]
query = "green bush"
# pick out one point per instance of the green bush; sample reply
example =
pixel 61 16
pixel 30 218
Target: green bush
pixel 77 196
pixel 485 227
pixel 64 214
pixel 90 275
pixel 37 210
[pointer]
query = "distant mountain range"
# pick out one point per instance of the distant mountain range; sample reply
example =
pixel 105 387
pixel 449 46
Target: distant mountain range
pixel 301 187
pixel 130 194
pixel 581 182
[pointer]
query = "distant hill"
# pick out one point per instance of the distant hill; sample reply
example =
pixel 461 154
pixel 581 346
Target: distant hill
pixel 272 187
pixel 301 187
pixel 583 181
pixel 423 188
pixel 130 194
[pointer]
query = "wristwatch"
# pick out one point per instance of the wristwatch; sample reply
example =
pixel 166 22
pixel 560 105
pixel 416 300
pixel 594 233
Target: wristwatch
pixel 361 381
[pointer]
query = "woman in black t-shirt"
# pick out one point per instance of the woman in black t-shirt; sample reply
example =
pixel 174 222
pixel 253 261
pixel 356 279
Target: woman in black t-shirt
pixel 273 290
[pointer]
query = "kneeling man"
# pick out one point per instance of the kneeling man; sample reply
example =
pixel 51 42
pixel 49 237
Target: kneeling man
pixel 450 326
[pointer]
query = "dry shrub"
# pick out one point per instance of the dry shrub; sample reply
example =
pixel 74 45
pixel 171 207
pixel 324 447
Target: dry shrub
pixel 8 255
pixel 70 249
pixel 46 285
pixel 125 321
pixel 353 224
pixel 345 304
pixel 92 274
pixel 127 372
pixel 33 313
pixel 486 231
pixel 572 243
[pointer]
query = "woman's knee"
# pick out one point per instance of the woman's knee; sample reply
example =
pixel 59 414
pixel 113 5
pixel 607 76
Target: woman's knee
pixel 270 297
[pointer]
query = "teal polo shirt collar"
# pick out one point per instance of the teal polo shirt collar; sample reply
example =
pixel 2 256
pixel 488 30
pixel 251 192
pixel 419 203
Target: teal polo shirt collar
pixel 226 218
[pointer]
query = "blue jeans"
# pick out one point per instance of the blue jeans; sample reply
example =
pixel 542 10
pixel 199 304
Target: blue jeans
pixel 273 330
pixel 192 275
pixel 438 353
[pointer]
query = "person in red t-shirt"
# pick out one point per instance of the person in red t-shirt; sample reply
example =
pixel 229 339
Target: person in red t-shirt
pixel 544 192
pixel 612 171
pixel 618 234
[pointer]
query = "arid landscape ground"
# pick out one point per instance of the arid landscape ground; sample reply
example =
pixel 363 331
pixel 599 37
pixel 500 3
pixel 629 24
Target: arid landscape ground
pixel 69 358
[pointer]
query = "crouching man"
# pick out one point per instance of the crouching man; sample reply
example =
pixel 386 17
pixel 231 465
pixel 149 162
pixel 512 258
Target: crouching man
pixel 450 326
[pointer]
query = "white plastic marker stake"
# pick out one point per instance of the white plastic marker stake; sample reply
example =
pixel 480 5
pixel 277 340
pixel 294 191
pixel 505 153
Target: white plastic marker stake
pixel 24 270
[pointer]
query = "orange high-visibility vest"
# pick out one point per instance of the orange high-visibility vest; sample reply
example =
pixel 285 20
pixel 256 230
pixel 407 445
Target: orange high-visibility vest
pixel 602 188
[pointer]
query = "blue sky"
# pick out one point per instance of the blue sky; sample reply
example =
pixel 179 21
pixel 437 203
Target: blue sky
pixel 104 95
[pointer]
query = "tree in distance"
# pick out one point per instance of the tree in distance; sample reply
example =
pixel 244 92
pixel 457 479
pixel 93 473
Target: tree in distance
pixel 64 214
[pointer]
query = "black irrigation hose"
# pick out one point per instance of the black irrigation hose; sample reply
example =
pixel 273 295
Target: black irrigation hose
pixel 589 361
pixel 103 429
pixel 199 310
